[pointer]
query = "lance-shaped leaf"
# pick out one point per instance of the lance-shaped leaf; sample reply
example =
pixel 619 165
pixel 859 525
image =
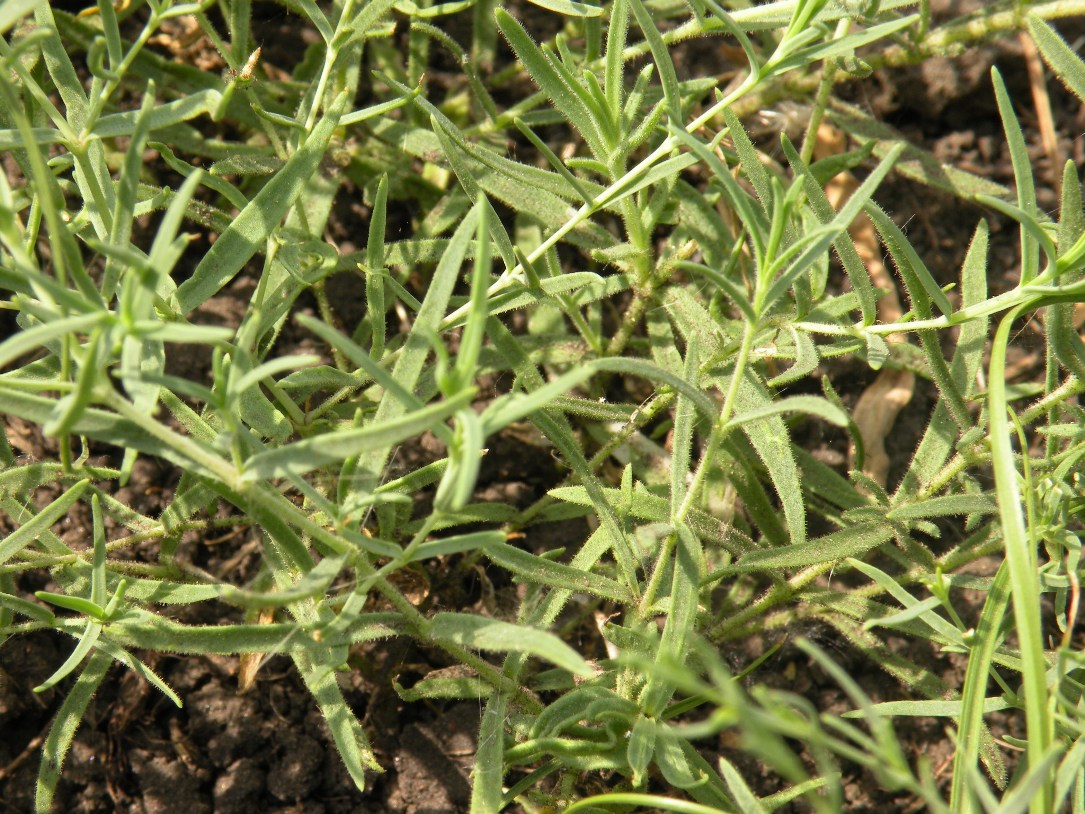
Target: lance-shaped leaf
pixel 539 570
pixel 312 453
pixel 568 96
pixel 1066 64
pixel 61 733
pixel 32 529
pixel 849 542
pixel 569 8
pixel 492 634
pixel 813 405
pixel 248 232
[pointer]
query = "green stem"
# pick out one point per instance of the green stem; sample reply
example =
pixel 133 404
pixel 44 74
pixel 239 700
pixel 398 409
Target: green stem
pixel 720 430
pixel 330 56
pixel 663 559
pixel 821 100
pixel 98 102
pixel 1024 297
pixel 212 464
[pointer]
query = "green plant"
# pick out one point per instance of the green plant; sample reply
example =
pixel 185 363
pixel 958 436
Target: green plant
pixel 663 250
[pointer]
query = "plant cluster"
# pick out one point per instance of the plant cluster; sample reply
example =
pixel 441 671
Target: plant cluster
pixel 662 247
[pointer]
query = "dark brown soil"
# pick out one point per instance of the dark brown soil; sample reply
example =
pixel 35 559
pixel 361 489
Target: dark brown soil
pixel 269 750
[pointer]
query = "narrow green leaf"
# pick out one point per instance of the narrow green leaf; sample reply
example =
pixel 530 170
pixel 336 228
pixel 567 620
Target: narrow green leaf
pixel 748 158
pixel 914 608
pixel 142 360
pixel 27 608
pixel 617 32
pixel 516 406
pixel 809 248
pixel 376 307
pixel 684 421
pixel 420 343
pixel 479 169
pixel 541 571
pixel 268 369
pixel 491 634
pixel 62 731
pixel 806 359
pixel 812 405
pixel 673 644
pixel 60 67
pixel 248 232
pixel 554 161
pixel 672 761
pixel 641 747
pixel 1070 772
pixel 454 682
pixel 922 610
pixel 849 542
pixel 29 531
pixel 48 542
pixel 1062 339
pixel 305 456
pixel 929 709
pixel 1021 558
pixel 845 247
pixel 637 367
pixel 489 774
pixel 916 163
pixel 570 709
pixel 919 282
pixel 397 399
pixel 968 355
pixel 142 629
pixel 39 336
pixel 73 403
pixel 744 797
pixel 747 480
pixel 162 116
pixel 126 189
pixel 772 442
pixel 248 164
pixel 845 46
pixel 12 11
pixel 662 57
pixel 98 590
pixel 779 14
pixel 567 97
pixel 1062 60
pixel 654 508
pixel 122 656
pixel 314 584
pixel 85 644
pixel 560 433
pixel 464 458
pixel 475 326
pixel 584 286
pixel 347 732
pixel 475 541
pixel 945 505
pixel 1022 173
pixel 358 356
pixel 569 8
